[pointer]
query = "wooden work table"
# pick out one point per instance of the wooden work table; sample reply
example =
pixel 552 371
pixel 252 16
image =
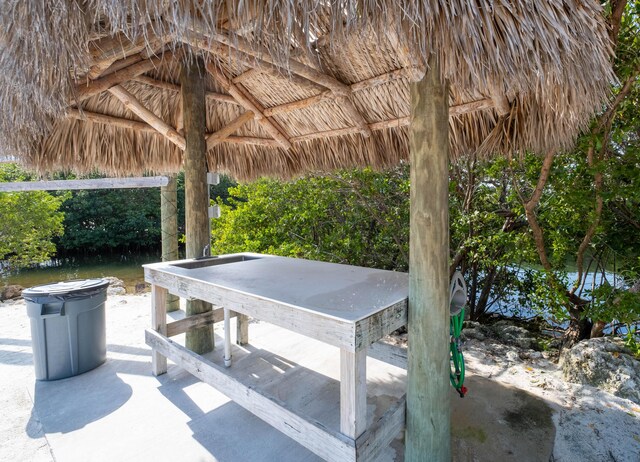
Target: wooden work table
pixel 345 306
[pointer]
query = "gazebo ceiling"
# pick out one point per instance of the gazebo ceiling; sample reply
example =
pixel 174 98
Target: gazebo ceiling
pixel 292 86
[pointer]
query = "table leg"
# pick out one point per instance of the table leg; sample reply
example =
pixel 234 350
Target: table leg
pixel 353 392
pixel 227 337
pixel 159 324
pixel 242 330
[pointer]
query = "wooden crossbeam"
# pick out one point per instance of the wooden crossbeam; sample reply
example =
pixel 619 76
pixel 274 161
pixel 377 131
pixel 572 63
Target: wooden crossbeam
pixel 104 119
pixel 145 114
pixel 110 49
pixel 92 183
pixel 91 88
pixel 248 105
pixel 456 110
pixel 173 87
pixel 301 104
pixel 247 75
pixel 219 136
pixel 122 63
pixel 340 89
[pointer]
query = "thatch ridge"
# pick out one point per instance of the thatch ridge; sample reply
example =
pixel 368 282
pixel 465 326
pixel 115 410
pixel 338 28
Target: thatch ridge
pixel 549 61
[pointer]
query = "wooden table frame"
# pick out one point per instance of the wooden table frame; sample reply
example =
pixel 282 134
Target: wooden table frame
pixel 354 442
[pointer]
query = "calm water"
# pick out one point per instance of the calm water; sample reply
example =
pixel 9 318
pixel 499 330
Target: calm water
pixel 126 267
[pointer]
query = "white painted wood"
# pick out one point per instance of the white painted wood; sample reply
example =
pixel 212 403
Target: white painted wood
pixel 159 324
pixel 242 329
pixel 390 354
pixel 227 337
pixel 371 443
pixel 95 183
pixel 194 321
pixel 326 443
pixel 353 392
pixel 346 306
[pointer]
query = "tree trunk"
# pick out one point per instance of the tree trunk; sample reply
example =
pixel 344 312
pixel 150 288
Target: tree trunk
pixel 428 390
pixel 199 340
pixel 169 226
pixel 579 328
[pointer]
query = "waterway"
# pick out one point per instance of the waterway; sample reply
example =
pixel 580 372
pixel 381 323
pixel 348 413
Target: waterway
pixel 127 267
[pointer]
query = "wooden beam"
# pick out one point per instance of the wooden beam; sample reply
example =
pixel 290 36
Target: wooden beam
pixel 329 445
pixel 104 119
pixel 145 114
pixel 169 231
pixel 93 87
pixel 123 63
pixel 428 435
pixel 404 73
pixel 353 392
pixel 251 140
pixel 110 49
pixel 296 105
pixel 472 106
pixel 192 322
pixel 219 136
pixel 173 87
pixel 159 324
pixel 248 105
pixel 143 127
pixel 247 75
pixel 94 183
pixel 382 432
pixel 196 206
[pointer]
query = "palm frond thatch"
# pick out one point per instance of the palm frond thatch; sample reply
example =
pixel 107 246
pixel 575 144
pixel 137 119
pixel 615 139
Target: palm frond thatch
pixel 534 71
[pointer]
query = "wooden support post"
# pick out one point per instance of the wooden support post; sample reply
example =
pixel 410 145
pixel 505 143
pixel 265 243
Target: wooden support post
pixel 159 324
pixel 199 340
pixel 169 230
pixel 428 393
pixel 242 329
pixel 353 392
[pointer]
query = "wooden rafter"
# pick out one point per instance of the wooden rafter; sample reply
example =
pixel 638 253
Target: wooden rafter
pixel 143 127
pixel 110 49
pixel 173 87
pixel 456 110
pixel 341 90
pixel 219 136
pixel 254 71
pixel 91 88
pixel 248 105
pixel 145 114
pixel 301 104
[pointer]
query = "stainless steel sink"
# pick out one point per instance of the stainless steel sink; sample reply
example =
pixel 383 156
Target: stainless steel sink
pixel 213 261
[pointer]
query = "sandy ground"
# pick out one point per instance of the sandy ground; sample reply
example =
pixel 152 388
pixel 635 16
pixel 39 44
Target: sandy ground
pixel 590 424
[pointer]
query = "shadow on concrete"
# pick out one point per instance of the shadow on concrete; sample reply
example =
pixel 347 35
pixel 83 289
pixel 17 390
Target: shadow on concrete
pixel 19 358
pixel 62 406
pixel 495 422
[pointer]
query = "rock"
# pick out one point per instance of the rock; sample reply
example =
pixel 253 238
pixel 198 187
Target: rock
pixel 116 286
pixel 10 292
pixel 514 335
pixel 604 363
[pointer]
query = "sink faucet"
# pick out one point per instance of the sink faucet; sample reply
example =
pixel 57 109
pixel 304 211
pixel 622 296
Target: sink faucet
pixel 206 251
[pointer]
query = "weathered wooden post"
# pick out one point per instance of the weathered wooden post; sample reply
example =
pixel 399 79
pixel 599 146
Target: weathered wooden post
pixel 169 230
pixel 428 393
pixel 192 74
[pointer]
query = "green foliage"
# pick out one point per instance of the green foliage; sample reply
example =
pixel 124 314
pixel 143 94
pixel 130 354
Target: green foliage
pixel 357 216
pixel 30 220
pixel 107 219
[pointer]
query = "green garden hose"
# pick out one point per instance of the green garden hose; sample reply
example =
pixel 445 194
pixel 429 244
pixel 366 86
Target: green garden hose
pixel 456 373
pixel 457 301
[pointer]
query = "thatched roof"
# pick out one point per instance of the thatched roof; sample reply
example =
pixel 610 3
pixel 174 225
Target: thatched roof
pixel 328 82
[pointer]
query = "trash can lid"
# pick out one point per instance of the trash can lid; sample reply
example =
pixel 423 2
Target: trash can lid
pixel 66 290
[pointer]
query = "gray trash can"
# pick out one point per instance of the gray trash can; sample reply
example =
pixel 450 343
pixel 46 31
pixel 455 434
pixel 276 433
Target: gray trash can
pixel 67 327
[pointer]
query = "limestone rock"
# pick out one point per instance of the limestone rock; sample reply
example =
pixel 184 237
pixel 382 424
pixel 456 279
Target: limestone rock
pixel 604 363
pixel 514 335
pixel 10 292
pixel 116 286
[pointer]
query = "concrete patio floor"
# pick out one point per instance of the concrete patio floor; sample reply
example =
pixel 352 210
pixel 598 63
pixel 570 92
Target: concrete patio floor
pixel 120 412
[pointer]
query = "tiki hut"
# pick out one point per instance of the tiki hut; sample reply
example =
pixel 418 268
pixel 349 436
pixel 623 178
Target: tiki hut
pixel 282 87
